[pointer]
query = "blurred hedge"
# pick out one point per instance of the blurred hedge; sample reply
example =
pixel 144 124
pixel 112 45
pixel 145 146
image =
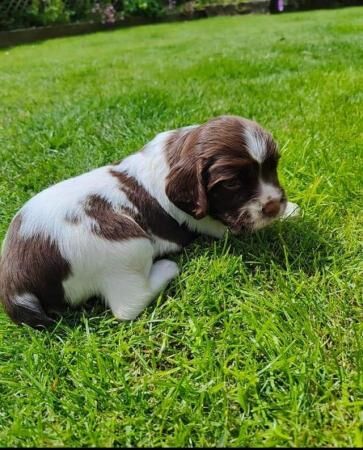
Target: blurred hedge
pixel 33 13
pixel 30 13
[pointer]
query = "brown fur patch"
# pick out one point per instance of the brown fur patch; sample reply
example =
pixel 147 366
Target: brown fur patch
pixel 32 268
pixel 151 216
pixel 221 136
pixel 112 225
pixel 72 219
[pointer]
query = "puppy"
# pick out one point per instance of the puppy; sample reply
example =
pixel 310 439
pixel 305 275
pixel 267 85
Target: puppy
pixel 99 233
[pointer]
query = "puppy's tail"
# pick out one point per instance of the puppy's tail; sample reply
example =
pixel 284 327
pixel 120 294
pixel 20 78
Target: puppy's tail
pixel 26 309
pixel 18 286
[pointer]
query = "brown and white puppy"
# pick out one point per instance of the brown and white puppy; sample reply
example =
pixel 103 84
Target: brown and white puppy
pixel 99 233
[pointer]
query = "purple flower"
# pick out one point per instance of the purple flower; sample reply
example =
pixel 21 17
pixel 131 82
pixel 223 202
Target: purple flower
pixel 109 14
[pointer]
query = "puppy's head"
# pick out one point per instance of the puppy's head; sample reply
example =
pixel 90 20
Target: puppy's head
pixel 227 169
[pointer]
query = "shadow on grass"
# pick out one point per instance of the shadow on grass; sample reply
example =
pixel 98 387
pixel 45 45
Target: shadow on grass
pixel 294 246
pixel 299 245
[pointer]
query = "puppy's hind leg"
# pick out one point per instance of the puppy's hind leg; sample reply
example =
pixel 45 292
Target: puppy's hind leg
pixel 129 294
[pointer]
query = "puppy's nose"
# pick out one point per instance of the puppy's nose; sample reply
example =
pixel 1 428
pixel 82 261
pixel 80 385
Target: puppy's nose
pixel 271 208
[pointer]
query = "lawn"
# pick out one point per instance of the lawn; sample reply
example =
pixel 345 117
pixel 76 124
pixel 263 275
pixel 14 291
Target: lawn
pixel 259 341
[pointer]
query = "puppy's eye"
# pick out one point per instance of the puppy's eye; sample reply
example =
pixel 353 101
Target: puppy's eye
pixel 232 184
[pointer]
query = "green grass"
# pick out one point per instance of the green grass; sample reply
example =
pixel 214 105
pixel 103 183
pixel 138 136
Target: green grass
pixel 259 341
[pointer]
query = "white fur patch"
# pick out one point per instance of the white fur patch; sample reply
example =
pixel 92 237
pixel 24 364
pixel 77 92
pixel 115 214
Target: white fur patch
pixel 46 213
pixel 162 246
pixel 94 259
pixel 291 210
pixel 161 273
pixel 27 301
pixel 267 192
pixel 256 144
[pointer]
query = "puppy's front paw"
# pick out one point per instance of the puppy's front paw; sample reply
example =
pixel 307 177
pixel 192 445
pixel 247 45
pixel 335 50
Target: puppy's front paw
pixel 162 272
pixel 291 210
pixel 166 269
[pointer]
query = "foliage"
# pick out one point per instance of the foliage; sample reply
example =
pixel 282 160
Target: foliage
pixel 82 9
pixel 45 12
pixel 147 8
pixel 33 13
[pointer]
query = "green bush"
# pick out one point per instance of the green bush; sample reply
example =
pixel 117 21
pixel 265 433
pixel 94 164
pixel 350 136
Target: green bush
pixel 147 8
pixel 33 13
pixel 80 9
pixel 47 12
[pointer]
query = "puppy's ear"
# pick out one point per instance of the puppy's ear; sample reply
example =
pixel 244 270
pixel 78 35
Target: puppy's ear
pixel 186 187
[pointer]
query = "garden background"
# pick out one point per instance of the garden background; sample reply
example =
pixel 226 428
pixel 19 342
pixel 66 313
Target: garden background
pixel 259 341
